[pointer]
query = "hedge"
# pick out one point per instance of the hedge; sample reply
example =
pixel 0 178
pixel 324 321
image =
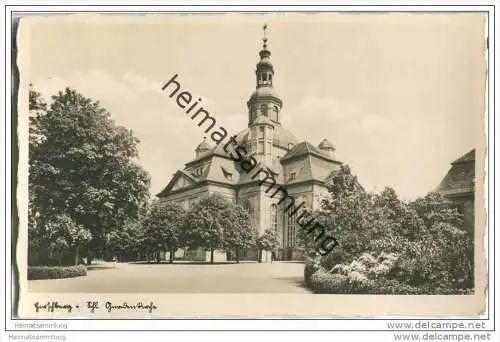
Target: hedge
pixel 328 283
pixel 49 272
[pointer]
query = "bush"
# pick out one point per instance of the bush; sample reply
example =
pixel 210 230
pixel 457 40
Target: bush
pixel 323 282
pixel 394 287
pixel 309 269
pixel 46 272
pixel 335 283
pixel 453 291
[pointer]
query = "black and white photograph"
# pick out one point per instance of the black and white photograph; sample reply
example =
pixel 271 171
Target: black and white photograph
pixel 266 155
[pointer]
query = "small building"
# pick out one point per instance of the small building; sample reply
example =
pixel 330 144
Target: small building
pixel 458 186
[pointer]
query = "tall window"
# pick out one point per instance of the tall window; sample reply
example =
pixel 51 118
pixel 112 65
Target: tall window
pixel 263 109
pixel 261 132
pixel 291 230
pixel 274 217
pixel 275 113
pixel 248 207
pixel 261 147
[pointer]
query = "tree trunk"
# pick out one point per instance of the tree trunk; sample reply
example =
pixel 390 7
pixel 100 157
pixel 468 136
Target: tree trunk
pixel 171 255
pixel 157 257
pixel 77 255
pixel 211 255
pixel 89 260
pixel 237 255
pixel 260 255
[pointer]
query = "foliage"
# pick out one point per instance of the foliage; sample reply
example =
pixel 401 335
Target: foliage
pixel 417 246
pixel 127 243
pixel 45 272
pixel 57 238
pixel 81 164
pixel 368 266
pixel 269 241
pixel 310 268
pixel 328 283
pixel 240 234
pixel 207 223
pixel 163 226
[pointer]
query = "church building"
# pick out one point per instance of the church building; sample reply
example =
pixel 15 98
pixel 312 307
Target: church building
pixel 300 167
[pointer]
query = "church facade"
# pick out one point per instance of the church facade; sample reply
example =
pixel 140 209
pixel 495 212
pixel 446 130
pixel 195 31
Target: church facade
pixel 299 167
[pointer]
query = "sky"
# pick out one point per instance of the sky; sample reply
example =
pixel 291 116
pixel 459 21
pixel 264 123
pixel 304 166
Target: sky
pixel 399 95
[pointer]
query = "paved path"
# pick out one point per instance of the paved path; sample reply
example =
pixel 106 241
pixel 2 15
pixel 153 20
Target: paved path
pixel 182 278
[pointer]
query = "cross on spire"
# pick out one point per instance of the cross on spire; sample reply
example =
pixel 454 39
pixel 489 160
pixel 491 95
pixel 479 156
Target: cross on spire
pixel 264 28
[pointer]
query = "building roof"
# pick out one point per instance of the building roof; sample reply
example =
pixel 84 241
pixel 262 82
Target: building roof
pixel 265 92
pixel 466 158
pixel 461 176
pixel 305 148
pixel 204 146
pixel 325 144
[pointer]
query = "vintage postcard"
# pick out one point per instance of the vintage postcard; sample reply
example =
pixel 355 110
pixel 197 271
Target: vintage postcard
pixel 251 165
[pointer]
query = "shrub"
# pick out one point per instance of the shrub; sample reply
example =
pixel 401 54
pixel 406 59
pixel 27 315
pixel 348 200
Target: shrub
pixel 354 283
pixel 323 282
pixel 46 272
pixel 394 287
pixel 309 269
pixel 452 291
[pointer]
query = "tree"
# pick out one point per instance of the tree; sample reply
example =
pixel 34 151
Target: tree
pixel 269 241
pixel 58 238
pixel 445 251
pixel 346 214
pixel 429 249
pixel 83 166
pixel 163 226
pixel 207 223
pixel 240 233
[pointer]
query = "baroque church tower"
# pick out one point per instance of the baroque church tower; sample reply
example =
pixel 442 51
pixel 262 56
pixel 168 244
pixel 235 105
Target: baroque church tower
pixel 264 108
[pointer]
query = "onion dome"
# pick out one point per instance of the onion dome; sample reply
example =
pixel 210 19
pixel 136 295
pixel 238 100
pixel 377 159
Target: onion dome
pixel 326 147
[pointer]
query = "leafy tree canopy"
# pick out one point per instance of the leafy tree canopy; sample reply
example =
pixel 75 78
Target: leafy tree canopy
pixel 82 164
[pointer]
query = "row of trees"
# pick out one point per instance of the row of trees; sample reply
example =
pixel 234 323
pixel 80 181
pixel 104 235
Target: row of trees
pixel 213 223
pixel 419 243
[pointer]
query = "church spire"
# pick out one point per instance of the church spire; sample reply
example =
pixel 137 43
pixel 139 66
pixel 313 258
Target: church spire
pixel 264 100
pixel 265 70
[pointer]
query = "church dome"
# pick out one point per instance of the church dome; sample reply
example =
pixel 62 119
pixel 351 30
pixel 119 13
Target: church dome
pixel 326 145
pixel 265 63
pixel 203 146
pixel 264 92
pixel 281 137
